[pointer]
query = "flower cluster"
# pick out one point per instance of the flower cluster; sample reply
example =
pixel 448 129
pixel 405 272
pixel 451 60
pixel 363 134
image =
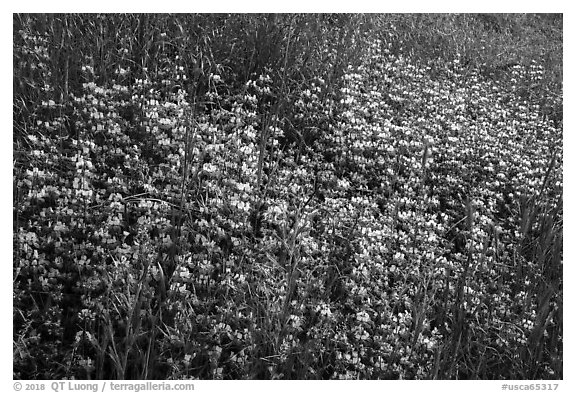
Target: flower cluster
pixel 401 220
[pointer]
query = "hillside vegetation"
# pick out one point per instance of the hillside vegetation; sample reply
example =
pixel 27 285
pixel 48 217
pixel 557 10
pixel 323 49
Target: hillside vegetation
pixel 288 196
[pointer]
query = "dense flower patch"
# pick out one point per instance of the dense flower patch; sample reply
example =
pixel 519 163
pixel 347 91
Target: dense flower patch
pixel 403 222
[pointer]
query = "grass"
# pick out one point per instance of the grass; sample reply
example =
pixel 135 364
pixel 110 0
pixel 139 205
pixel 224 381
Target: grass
pixel 288 196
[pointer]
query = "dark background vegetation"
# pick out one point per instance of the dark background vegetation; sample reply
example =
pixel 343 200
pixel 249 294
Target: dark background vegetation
pixel 196 196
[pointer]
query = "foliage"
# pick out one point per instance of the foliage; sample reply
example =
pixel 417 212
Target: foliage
pixel 287 196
